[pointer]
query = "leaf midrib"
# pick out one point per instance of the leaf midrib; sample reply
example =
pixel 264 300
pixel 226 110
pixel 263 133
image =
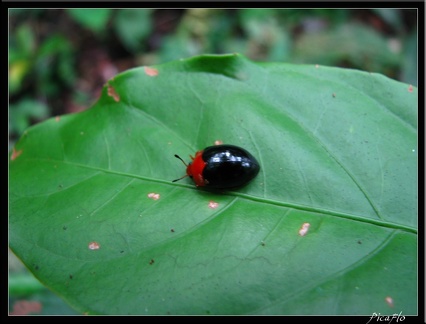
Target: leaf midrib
pixel 264 200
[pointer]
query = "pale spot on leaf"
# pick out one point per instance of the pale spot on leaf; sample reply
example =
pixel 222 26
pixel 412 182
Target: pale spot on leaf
pixel 94 246
pixel 389 301
pixel 304 229
pixel 150 71
pixel 112 93
pixel 213 204
pixel 15 154
pixel 154 196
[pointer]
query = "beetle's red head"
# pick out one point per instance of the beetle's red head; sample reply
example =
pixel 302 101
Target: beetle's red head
pixel 194 169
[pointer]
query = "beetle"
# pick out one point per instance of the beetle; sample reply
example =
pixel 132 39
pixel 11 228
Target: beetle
pixel 221 167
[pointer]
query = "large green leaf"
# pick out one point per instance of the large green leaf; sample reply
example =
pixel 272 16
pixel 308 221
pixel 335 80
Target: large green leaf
pixel 338 151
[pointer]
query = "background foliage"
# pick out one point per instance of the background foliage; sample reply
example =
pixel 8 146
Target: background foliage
pixel 60 59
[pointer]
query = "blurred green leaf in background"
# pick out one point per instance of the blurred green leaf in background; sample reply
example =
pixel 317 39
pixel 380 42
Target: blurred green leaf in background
pixel 21 114
pixel 94 19
pixel 133 27
pixel 63 57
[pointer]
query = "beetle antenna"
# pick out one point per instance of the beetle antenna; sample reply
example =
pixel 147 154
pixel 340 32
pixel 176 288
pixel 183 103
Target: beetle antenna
pixel 178 157
pixel 180 178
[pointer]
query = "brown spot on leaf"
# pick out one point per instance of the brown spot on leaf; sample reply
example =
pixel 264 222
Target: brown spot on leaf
pixel 94 246
pixel 151 261
pixel 15 154
pixel 151 71
pixel 218 142
pixel 25 307
pixel 112 93
pixel 410 88
pixel 57 118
